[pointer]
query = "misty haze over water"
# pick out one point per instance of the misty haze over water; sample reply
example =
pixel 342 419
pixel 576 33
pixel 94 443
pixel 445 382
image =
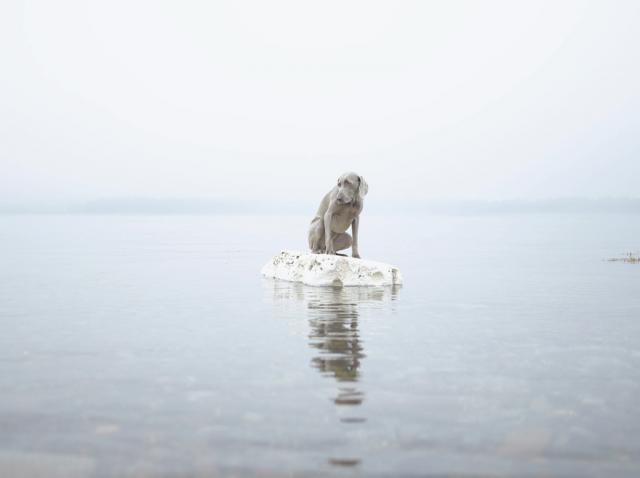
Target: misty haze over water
pixel 255 101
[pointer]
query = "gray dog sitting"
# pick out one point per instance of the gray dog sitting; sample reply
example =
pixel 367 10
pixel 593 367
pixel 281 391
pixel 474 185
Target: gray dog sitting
pixel 339 209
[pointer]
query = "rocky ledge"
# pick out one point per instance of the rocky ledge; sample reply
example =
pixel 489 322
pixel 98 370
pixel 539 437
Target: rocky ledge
pixel 330 270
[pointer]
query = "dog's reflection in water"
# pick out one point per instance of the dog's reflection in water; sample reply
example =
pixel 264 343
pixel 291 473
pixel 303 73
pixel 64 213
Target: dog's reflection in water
pixel 334 315
pixel 333 319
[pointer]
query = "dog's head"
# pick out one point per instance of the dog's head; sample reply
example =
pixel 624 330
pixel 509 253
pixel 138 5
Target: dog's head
pixel 351 188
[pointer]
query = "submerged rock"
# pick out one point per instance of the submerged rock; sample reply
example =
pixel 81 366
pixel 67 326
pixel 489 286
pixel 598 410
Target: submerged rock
pixel 330 270
pixel 629 257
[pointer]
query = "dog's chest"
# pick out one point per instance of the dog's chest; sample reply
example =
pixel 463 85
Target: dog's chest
pixel 341 220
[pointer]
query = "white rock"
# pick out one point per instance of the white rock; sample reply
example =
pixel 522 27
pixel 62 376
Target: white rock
pixel 330 270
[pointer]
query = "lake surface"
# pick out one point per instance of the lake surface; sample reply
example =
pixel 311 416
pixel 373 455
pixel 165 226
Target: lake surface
pixel 151 346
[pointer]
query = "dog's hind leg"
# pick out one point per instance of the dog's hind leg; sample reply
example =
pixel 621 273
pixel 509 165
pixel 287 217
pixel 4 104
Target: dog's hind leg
pixel 316 237
pixel 342 241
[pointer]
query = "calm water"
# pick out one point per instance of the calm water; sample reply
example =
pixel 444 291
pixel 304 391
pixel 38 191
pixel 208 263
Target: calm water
pixel 150 346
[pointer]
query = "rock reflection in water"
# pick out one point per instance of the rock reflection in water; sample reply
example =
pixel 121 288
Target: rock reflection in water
pixel 334 321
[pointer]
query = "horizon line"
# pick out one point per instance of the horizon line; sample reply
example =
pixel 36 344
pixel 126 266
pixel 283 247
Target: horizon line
pixel 211 206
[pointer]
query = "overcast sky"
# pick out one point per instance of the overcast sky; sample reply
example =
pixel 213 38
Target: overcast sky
pixel 251 100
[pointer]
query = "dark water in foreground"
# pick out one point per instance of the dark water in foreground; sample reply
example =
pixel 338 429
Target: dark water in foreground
pixel 150 346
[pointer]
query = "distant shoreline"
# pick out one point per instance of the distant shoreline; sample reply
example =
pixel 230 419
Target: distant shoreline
pixel 199 206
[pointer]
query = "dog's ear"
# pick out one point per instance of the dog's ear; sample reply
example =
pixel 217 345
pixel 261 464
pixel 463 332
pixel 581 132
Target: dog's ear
pixel 363 187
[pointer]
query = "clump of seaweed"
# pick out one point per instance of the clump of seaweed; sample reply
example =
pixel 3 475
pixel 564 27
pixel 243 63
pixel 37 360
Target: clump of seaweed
pixel 629 258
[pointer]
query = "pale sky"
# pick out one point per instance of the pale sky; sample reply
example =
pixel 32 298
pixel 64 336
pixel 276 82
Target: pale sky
pixel 255 100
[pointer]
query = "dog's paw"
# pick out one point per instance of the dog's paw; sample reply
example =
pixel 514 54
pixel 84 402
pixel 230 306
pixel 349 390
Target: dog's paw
pixel 355 255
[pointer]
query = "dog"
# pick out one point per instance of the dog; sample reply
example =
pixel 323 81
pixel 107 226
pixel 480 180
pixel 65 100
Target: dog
pixel 339 209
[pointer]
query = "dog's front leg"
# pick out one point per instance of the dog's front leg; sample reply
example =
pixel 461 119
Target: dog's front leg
pixel 328 234
pixel 354 245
